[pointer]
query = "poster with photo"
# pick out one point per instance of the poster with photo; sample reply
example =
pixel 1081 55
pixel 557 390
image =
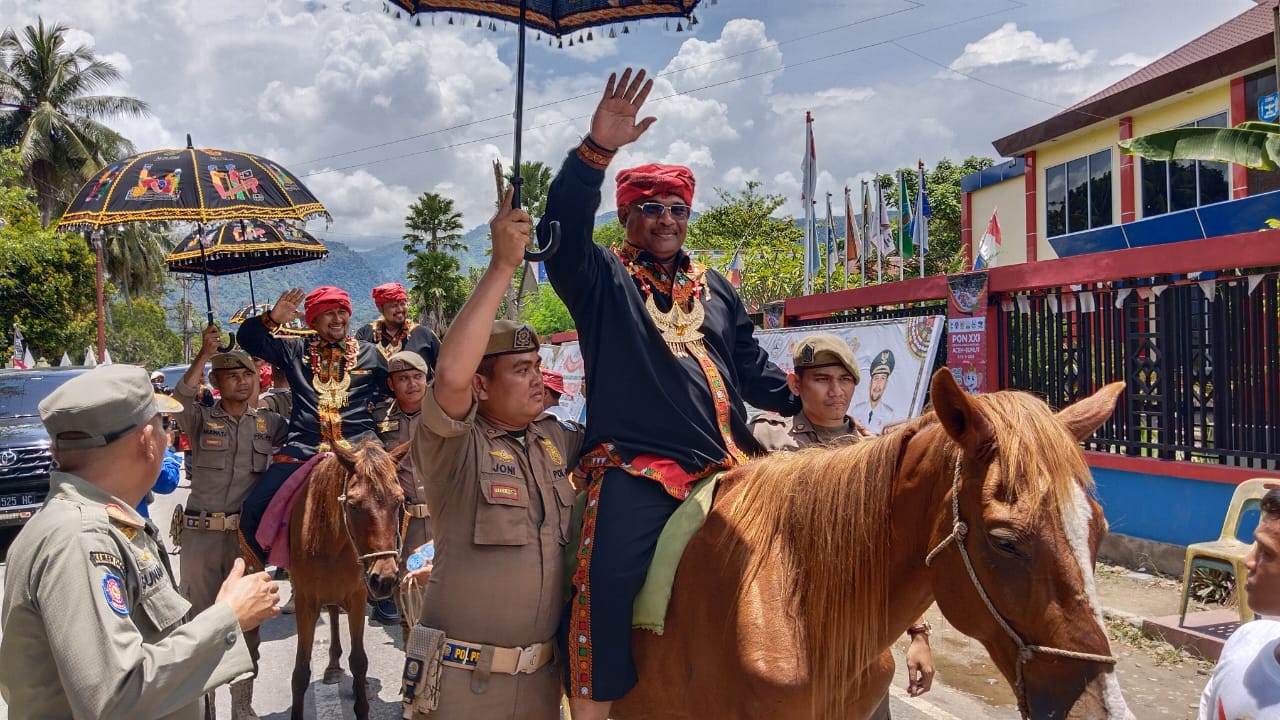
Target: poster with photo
pixel 566 359
pixel 895 358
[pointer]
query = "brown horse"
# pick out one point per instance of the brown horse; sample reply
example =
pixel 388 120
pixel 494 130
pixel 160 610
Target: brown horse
pixel 812 563
pixel 344 538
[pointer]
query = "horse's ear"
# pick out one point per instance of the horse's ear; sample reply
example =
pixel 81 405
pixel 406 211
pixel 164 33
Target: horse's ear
pixel 958 414
pixel 346 458
pixel 398 454
pixel 1087 415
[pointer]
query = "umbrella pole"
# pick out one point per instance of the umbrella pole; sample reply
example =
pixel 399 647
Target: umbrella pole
pixel 204 268
pixel 252 299
pixel 516 179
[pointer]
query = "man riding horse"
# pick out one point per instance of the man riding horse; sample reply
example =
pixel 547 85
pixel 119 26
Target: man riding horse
pixel 670 358
pixel 394 331
pixel 337 382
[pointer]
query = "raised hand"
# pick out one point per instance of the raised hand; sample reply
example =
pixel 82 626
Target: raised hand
pixel 210 339
pixel 286 308
pixel 511 229
pixel 614 122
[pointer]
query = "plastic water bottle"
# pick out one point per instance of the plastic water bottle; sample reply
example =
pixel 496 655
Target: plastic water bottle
pixel 421 557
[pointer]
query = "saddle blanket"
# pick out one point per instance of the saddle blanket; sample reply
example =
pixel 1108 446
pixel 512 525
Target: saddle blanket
pixel 273 532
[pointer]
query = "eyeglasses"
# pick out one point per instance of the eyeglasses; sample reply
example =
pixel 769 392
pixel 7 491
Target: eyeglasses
pixel 654 210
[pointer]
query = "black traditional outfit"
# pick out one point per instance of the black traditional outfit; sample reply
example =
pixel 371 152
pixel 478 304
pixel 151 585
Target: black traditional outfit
pixel 668 363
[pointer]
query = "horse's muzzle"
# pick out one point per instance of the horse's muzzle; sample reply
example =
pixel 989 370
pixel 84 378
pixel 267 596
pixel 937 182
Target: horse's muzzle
pixel 381 578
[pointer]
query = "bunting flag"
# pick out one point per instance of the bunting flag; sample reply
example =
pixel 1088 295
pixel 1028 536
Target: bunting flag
pixel 989 246
pixel 808 189
pixel 833 246
pixel 866 218
pixel 734 271
pixel 106 357
pixel 27 360
pixel 19 348
pixel 66 360
pixel 90 360
pixel 904 217
pixel 920 219
pixel 884 238
pixel 851 234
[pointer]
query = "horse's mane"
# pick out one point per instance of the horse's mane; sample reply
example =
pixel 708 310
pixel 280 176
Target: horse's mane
pixel 322 519
pixel 824 514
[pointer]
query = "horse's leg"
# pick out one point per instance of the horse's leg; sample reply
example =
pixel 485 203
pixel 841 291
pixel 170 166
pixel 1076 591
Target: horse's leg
pixel 873 694
pixel 359 661
pixel 306 615
pixel 333 673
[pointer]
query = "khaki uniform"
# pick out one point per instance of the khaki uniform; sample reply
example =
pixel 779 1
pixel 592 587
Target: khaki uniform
pixel 775 432
pixel 227 456
pixel 395 428
pixel 278 401
pixel 501 521
pixel 93 624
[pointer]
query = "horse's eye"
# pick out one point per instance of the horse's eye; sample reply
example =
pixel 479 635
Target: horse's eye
pixel 1006 545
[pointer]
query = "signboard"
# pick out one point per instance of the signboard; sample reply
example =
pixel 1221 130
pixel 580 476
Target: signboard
pixel 902 353
pixel 1269 107
pixel 967 330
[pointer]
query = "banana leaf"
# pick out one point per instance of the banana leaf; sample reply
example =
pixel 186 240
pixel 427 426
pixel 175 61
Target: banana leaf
pixel 1252 144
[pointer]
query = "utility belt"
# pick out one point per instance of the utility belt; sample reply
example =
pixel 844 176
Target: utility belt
pixel 213 522
pixel 429 651
pixel 417 510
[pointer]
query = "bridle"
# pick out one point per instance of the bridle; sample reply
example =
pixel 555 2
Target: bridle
pixel 959 530
pixel 365 558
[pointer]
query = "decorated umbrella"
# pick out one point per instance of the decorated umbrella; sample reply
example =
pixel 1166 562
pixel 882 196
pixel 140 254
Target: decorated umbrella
pixel 294 328
pixel 202 186
pixel 227 248
pixel 554 17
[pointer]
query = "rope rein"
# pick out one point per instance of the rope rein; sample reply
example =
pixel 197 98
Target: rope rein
pixel 960 530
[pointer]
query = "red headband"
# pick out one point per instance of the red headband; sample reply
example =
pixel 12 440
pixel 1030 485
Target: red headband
pixel 389 292
pixel 651 180
pixel 553 380
pixel 325 298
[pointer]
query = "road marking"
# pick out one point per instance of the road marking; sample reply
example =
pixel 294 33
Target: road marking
pixel 923 706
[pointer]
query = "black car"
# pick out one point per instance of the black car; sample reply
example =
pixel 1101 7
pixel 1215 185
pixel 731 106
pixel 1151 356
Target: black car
pixel 25 461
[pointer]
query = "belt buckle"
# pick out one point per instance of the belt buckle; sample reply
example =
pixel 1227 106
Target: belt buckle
pixel 527 663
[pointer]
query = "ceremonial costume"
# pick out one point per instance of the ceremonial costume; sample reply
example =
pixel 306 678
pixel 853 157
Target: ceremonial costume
pixel 93 625
pixel 410 336
pixel 502 504
pixel 668 364
pixel 336 389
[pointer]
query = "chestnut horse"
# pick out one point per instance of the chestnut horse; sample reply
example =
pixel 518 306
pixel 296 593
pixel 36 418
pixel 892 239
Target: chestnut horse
pixel 344 538
pixel 812 563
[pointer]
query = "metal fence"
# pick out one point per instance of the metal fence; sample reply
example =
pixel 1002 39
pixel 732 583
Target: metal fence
pixel 1202 372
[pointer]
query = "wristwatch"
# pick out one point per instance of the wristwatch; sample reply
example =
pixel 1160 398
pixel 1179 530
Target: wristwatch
pixel 923 628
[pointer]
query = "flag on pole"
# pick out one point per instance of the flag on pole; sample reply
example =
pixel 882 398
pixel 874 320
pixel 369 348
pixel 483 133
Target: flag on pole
pixel 904 217
pixel 808 190
pixel 833 246
pixel 734 272
pixel 19 348
pixel 866 219
pixel 920 220
pixel 851 234
pixel 884 238
pixel 989 246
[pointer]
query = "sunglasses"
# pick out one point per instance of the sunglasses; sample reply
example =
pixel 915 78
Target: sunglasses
pixel 654 210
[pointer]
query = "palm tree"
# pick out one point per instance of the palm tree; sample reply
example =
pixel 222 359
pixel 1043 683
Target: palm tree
pixel 57 124
pixel 1252 144
pixel 437 287
pixel 537 184
pixel 133 257
pixel 434 225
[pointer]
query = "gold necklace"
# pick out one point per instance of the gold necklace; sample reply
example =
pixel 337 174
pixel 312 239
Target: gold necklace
pixel 680 329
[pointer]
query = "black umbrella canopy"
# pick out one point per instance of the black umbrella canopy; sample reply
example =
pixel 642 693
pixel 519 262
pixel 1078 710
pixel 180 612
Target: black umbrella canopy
pixel 240 246
pixel 200 185
pixel 557 17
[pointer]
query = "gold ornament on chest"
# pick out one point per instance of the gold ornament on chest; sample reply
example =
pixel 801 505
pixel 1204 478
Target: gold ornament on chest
pixel 680 328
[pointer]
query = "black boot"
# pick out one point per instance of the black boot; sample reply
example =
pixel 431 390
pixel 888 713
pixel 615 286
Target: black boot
pixel 385 612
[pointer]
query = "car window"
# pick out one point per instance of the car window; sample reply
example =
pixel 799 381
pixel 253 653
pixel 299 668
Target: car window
pixel 20 395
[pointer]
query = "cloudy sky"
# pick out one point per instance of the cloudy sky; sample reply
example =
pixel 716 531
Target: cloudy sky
pixel 372 111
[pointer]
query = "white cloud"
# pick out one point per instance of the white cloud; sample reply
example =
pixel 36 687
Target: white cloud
pixel 1130 59
pixel 1010 45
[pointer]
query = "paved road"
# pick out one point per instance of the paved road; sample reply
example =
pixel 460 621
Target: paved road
pixel 326 702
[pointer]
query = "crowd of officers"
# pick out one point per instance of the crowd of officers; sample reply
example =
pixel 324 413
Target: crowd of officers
pixel 94 622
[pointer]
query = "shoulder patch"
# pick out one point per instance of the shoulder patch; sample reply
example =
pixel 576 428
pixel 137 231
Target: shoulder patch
pixel 113 591
pixel 120 516
pixel 570 425
pixel 502 455
pixel 107 560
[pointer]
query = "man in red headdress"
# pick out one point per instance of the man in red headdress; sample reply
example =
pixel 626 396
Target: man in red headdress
pixel 336 382
pixel 669 359
pixel 394 331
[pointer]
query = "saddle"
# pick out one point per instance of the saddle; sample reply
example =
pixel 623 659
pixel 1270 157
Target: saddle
pixel 273 531
pixel 650 609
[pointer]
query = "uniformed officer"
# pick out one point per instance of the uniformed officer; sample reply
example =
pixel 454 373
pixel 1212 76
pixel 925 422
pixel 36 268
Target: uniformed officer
pixel 394 331
pixel 824 378
pixel 231 444
pixel 874 411
pixel 407 379
pixel 496 473
pixel 93 624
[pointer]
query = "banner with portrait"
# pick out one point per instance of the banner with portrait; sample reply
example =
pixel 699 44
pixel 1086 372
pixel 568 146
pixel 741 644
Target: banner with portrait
pixel 895 359
pixel 967 330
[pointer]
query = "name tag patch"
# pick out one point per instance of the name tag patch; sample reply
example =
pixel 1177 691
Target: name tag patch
pixel 499 491
pixel 106 559
pixel 113 591
pixel 460 654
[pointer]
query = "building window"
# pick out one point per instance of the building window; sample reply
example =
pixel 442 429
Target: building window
pixel 1169 186
pixel 1078 194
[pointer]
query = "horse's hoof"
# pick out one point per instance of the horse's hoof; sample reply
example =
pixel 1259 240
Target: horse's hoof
pixel 332 676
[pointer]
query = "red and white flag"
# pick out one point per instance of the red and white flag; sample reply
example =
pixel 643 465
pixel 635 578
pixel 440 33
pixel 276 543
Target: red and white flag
pixel 989 246
pixel 734 271
pixel 19 349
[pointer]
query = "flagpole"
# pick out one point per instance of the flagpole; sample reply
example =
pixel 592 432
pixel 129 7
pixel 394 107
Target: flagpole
pixel 922 247
pixel 902 232
pixel 866 244
pixel 805 196
pixel 880 226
